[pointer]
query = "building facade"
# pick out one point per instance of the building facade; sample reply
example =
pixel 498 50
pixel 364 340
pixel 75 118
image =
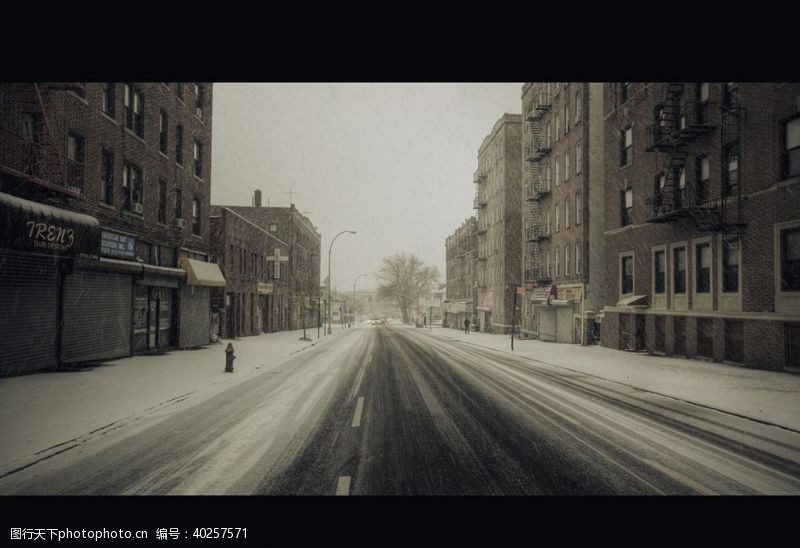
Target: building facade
pixel 563 165
pixel 498 187
pixel 254 262
pixel 702 230
pixel 303 265
pixel 104 191
pixel 461 255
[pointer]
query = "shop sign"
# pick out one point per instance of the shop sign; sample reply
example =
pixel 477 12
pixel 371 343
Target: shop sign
pixel 264 288
pixel 569 293
pixel 41 228
pixel 113 244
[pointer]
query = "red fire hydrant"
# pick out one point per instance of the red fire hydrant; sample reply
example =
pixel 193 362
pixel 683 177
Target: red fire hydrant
pixel 229 357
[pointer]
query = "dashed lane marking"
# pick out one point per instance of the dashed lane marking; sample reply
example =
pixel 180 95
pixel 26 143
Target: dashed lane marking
pixel 343 486
pixel 359 411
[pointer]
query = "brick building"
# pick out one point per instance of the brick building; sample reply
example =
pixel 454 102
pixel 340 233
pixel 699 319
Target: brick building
pixel 461 249
pixel 702 233
pixel 563 163
pixel 254 262
pixel 113 181
pixel 499 216
pixel 303 265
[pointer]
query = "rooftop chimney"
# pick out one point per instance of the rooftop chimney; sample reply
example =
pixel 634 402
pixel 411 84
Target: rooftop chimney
pixel 257 198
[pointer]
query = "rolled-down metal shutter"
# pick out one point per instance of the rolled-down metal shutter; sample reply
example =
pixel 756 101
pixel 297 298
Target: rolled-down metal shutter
pixel 97 316
pixel 195 309
pixel 28 313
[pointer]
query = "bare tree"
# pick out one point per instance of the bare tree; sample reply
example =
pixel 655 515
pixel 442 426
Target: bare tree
pixel 404 279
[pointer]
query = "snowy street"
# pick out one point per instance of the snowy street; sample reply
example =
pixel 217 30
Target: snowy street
pixel 394 410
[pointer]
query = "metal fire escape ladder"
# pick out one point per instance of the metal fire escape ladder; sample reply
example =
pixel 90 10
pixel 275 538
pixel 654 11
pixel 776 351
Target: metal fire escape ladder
pixel 731 135
pixel 535 191
pixel 671 134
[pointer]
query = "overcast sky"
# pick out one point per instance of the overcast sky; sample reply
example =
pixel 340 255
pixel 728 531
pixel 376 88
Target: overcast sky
pixel 392 161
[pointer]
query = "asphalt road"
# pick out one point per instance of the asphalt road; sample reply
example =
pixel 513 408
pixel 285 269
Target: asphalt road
pixel 391 410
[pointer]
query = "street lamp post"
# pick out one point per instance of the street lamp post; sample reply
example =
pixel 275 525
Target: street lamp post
pixel 330 248
pixel 354 295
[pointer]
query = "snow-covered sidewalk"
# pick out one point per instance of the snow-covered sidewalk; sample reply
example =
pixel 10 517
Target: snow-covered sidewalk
pixel 42 410
pixel 769 396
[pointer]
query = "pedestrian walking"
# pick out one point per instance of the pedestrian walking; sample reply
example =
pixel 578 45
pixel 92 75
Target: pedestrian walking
pixel 466 326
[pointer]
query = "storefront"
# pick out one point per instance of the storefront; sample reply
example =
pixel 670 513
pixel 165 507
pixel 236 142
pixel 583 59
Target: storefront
pixel 195 325
pixel 38 245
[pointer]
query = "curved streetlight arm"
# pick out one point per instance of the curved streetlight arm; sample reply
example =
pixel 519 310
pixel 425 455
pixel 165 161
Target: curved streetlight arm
pixel 329 274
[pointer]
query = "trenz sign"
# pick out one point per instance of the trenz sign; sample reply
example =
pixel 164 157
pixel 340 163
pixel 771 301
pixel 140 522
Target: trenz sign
pixel 50 236
pixel 39 228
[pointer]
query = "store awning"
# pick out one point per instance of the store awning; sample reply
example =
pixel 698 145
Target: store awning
pixel 202 273
pixel 635 300
pixel 41 228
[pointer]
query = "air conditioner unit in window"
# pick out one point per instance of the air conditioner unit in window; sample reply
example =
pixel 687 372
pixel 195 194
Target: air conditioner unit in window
pixel 138 209
pixel 180 223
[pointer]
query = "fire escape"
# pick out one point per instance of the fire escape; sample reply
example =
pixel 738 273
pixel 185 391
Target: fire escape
pixel 537 188
pixel 678 124
pixel 479 204
pixel 33 155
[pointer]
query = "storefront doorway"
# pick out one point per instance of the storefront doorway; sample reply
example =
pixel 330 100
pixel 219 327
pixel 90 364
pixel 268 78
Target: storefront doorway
pixel 153 318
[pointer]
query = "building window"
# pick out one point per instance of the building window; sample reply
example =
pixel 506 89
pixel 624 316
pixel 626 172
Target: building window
pixel 626 146
pixel 134 110
pixel 679 269
pixel 660 183
pixel 578 106
pixel 547 221
pixel 558 219
pixel 703 268
pixel 578 208
pixel 734 341
pixel 578 158
pixel 108 98
pixel 163 124
pixel 106 176
pixel 131 186
pixel 196 216
pixel 162 201
pixel 178 203
pixel 705 337
pixel 660 272
pixel 730 265
pixel 731 170
pixel 626 273
pixel 626 206
pixel 547 263
pixel 76 159
pixel 624 91
pixel 578 262
pixel 558 263
pixel 179 144
pixel 566 260
pixel 681 197
pixel 703 105
pixel 179 86
pixel 566 165
pixel 566 114
pixel 566 212
pixel 198 159
pixel 547 177
pixel 790 259
pixel 791 153
pixel 558 171
pixel 730 94
pixel 558 128
pixel 702 176
pixel 198 99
